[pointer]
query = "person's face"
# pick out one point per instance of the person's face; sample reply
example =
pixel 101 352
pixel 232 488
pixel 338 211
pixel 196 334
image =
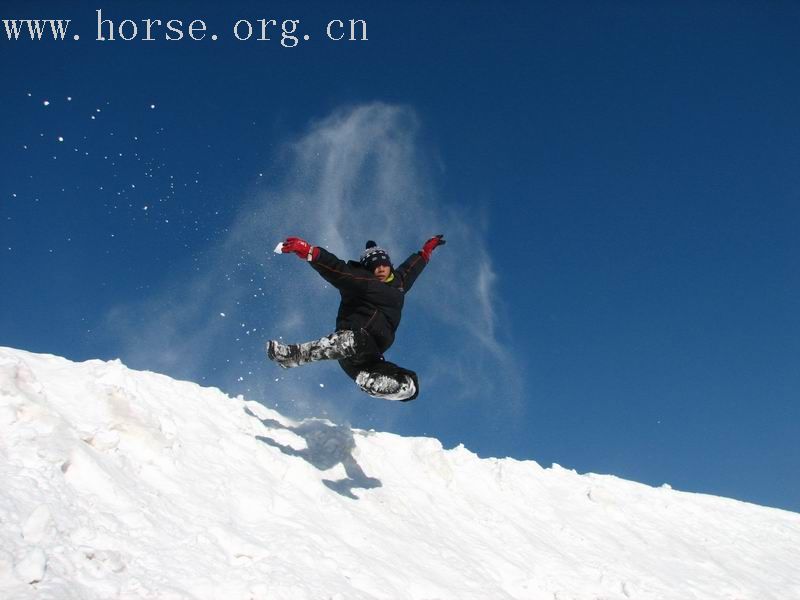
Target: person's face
pixel 382 272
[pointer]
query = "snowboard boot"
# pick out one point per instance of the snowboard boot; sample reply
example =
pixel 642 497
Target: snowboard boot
pixel 399 387
pixel 336 346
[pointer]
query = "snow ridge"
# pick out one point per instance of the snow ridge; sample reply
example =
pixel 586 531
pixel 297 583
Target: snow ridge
pixel 123 484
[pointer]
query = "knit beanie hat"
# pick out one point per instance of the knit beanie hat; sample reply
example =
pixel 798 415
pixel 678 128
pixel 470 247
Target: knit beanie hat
pixel 374 256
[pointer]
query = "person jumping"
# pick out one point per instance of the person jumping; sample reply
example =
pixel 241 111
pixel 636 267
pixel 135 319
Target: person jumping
pixel 372 292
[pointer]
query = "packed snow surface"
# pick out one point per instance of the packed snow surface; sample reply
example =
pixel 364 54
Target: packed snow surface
pixel 123 484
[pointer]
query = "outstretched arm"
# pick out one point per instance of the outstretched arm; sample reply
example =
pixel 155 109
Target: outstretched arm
pixel 415 264
pixel 334 270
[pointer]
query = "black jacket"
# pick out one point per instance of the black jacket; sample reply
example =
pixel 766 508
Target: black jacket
pixel 368 302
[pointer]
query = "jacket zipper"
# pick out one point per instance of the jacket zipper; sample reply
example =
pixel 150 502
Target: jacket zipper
pixel 370 319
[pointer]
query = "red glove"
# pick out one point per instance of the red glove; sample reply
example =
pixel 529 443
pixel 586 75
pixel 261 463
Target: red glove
pixel 432 243
pixel 300 247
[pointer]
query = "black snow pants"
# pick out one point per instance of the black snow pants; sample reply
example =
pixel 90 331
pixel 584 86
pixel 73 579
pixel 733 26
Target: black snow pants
pixel 368 359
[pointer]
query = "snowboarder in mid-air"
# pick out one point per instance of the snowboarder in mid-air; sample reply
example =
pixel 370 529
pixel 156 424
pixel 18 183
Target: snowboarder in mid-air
pixel 372 293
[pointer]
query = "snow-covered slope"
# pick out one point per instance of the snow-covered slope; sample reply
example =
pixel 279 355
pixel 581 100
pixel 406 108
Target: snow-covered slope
pixel 123 484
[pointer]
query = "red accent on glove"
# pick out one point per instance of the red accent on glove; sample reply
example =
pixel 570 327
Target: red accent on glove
pixel 430 245
pixel 300 247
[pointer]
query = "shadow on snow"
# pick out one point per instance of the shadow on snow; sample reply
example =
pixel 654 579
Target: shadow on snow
pixel 327 445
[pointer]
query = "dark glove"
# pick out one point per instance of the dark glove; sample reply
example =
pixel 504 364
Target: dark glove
pixel 432 243
pixel 300 247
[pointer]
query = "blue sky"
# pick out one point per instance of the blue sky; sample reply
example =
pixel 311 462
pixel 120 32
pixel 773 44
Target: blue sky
pixel 618 182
